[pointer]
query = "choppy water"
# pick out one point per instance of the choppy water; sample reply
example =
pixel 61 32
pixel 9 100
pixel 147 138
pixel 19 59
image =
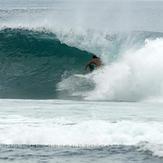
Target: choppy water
pixel 80 131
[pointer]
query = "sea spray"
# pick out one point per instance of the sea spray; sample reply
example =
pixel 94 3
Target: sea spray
pixel 135 76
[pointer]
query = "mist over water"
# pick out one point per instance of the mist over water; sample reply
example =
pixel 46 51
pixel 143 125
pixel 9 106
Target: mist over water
pixel 137 75
pixel 104 15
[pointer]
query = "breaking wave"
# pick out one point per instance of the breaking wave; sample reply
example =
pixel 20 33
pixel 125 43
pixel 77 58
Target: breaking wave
pixel 41 63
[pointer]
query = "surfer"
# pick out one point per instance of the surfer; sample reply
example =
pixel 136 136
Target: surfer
pixel 94 63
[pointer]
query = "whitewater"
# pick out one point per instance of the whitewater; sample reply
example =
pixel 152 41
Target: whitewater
pixel 114 114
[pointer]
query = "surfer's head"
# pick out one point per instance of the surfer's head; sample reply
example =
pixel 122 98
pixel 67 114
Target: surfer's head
pixel 94 56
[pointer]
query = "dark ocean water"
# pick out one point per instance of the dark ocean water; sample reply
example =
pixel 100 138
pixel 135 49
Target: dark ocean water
pixel 110 154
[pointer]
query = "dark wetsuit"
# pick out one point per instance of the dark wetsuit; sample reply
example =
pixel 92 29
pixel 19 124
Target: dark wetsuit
pixel 92 67
pixel 93 64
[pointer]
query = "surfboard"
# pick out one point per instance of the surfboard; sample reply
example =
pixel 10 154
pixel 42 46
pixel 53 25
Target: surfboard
pixel 80 75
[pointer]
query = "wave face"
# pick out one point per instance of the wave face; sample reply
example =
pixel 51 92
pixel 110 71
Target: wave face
pixel 33 62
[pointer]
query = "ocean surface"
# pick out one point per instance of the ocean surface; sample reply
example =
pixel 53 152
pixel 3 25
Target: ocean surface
pixel 48 114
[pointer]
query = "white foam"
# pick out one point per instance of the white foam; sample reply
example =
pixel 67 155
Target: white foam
pixel 156 149
pixel 84 133
pixel 137 75
pixel 59 122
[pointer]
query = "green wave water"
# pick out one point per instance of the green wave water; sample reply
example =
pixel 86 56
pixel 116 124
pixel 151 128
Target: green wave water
pixel 32 63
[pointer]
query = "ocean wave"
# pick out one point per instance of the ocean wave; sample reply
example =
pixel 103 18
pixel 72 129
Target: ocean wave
pixel 32 62
pixel 41 62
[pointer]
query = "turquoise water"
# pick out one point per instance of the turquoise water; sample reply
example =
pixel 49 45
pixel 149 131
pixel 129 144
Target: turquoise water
pixel 33 62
